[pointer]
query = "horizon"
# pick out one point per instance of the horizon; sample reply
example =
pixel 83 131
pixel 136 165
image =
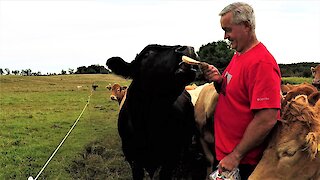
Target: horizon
pixel 51 36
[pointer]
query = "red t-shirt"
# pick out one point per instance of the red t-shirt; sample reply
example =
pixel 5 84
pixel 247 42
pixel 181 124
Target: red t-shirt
pixel 251 81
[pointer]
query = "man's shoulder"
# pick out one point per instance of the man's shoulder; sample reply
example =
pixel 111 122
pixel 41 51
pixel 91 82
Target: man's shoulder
pixel 262 54
pixel 262 50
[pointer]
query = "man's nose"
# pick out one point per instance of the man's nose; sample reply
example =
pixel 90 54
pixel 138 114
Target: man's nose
pixel 226 36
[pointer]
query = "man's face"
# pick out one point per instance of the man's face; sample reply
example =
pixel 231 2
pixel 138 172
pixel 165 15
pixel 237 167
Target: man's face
pixel 237 34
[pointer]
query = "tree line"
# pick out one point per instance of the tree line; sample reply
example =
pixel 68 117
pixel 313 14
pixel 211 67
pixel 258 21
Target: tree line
pixel 217 53
pixel 92 69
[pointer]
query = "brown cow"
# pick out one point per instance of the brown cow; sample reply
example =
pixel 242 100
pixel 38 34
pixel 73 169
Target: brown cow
pixel 285 88
pixel 204 109
pixel 316 76
pixel 304 88
pixel 118 92
pixel 293 151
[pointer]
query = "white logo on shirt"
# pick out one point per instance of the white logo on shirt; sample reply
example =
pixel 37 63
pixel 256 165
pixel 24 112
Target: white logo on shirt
pixel 263 99
pixel 229 76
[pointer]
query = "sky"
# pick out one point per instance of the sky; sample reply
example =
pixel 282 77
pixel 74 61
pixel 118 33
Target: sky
pixel 50 36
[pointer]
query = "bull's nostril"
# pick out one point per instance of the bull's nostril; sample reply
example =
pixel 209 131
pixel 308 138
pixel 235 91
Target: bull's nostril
pixel 113 98
pixel 316 82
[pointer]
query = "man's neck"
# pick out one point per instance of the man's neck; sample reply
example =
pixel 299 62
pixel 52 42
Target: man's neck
pixel 253 41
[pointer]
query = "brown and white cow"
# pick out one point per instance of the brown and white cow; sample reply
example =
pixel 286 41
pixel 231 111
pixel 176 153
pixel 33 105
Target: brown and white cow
pixel 118 92
pixel 203 111
pixel 316 76
pixel 294 149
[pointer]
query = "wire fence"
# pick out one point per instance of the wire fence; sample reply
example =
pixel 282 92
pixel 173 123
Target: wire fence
pixel 63 140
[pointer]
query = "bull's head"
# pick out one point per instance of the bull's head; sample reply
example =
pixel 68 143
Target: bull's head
pixel 117 92
pixel 157 69
pixel 293 151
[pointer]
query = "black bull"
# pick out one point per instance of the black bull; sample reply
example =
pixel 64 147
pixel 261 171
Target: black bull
pixel 156 122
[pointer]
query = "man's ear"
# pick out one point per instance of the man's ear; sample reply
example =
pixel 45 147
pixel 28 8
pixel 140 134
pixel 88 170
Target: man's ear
pixel 247 26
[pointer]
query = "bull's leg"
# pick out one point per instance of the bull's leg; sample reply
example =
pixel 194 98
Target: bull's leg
pixel 137 171
pixel 209 156
pixel 166 173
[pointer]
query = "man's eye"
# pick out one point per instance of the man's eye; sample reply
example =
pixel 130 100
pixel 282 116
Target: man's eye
pixel 227 30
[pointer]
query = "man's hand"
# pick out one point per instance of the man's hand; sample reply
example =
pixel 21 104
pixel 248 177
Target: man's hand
pixel 211 73
pixel 229 163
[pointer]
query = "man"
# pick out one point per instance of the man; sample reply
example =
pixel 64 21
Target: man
pixel 249 94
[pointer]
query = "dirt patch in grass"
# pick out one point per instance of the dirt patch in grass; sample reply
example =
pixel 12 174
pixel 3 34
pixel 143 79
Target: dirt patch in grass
pixel 100 162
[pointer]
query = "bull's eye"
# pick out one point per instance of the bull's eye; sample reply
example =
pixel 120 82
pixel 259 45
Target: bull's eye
pixel 288 151
pixel 148 53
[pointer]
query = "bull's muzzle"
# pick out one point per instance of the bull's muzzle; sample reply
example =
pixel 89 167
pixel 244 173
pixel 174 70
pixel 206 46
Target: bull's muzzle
pixel 113 97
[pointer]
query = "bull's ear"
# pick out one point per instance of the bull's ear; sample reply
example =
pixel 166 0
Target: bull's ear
pixel 187 51
pixel 313 98
pixel 124 87
pixel 312 70
pixel 119 66
pixel 312 140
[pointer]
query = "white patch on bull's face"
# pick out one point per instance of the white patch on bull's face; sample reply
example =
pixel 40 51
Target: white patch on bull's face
pixel 313 71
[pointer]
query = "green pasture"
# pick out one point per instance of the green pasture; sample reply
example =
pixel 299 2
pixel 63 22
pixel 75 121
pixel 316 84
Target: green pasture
pixel 37 112
pixel 296 80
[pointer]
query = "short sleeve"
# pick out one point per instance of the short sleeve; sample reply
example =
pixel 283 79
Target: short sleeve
pixel 264 91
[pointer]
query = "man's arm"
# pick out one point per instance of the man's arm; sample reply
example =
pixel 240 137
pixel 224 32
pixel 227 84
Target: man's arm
pixel 256 132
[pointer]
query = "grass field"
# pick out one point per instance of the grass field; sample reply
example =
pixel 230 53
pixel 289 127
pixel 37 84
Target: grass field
pixel 296 80
pixel 37 112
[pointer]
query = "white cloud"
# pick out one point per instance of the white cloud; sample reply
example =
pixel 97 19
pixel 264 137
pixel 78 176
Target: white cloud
pixel 49 36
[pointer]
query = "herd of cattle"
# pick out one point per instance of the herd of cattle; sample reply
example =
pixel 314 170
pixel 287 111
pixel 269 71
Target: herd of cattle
pixel 162 126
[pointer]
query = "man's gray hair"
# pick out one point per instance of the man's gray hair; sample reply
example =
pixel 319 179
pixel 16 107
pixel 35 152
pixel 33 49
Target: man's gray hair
pixel 242 12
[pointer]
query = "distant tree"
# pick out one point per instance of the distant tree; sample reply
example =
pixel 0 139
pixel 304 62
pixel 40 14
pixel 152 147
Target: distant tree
pixel 93 69
pixel 29 72
pixel 63 72
pixel 218 54
pixel 26 72
pixel 297 69
pixel 1 71
pixel 81 70
pixel 7 70
pixel 15 72
pixel 71 71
